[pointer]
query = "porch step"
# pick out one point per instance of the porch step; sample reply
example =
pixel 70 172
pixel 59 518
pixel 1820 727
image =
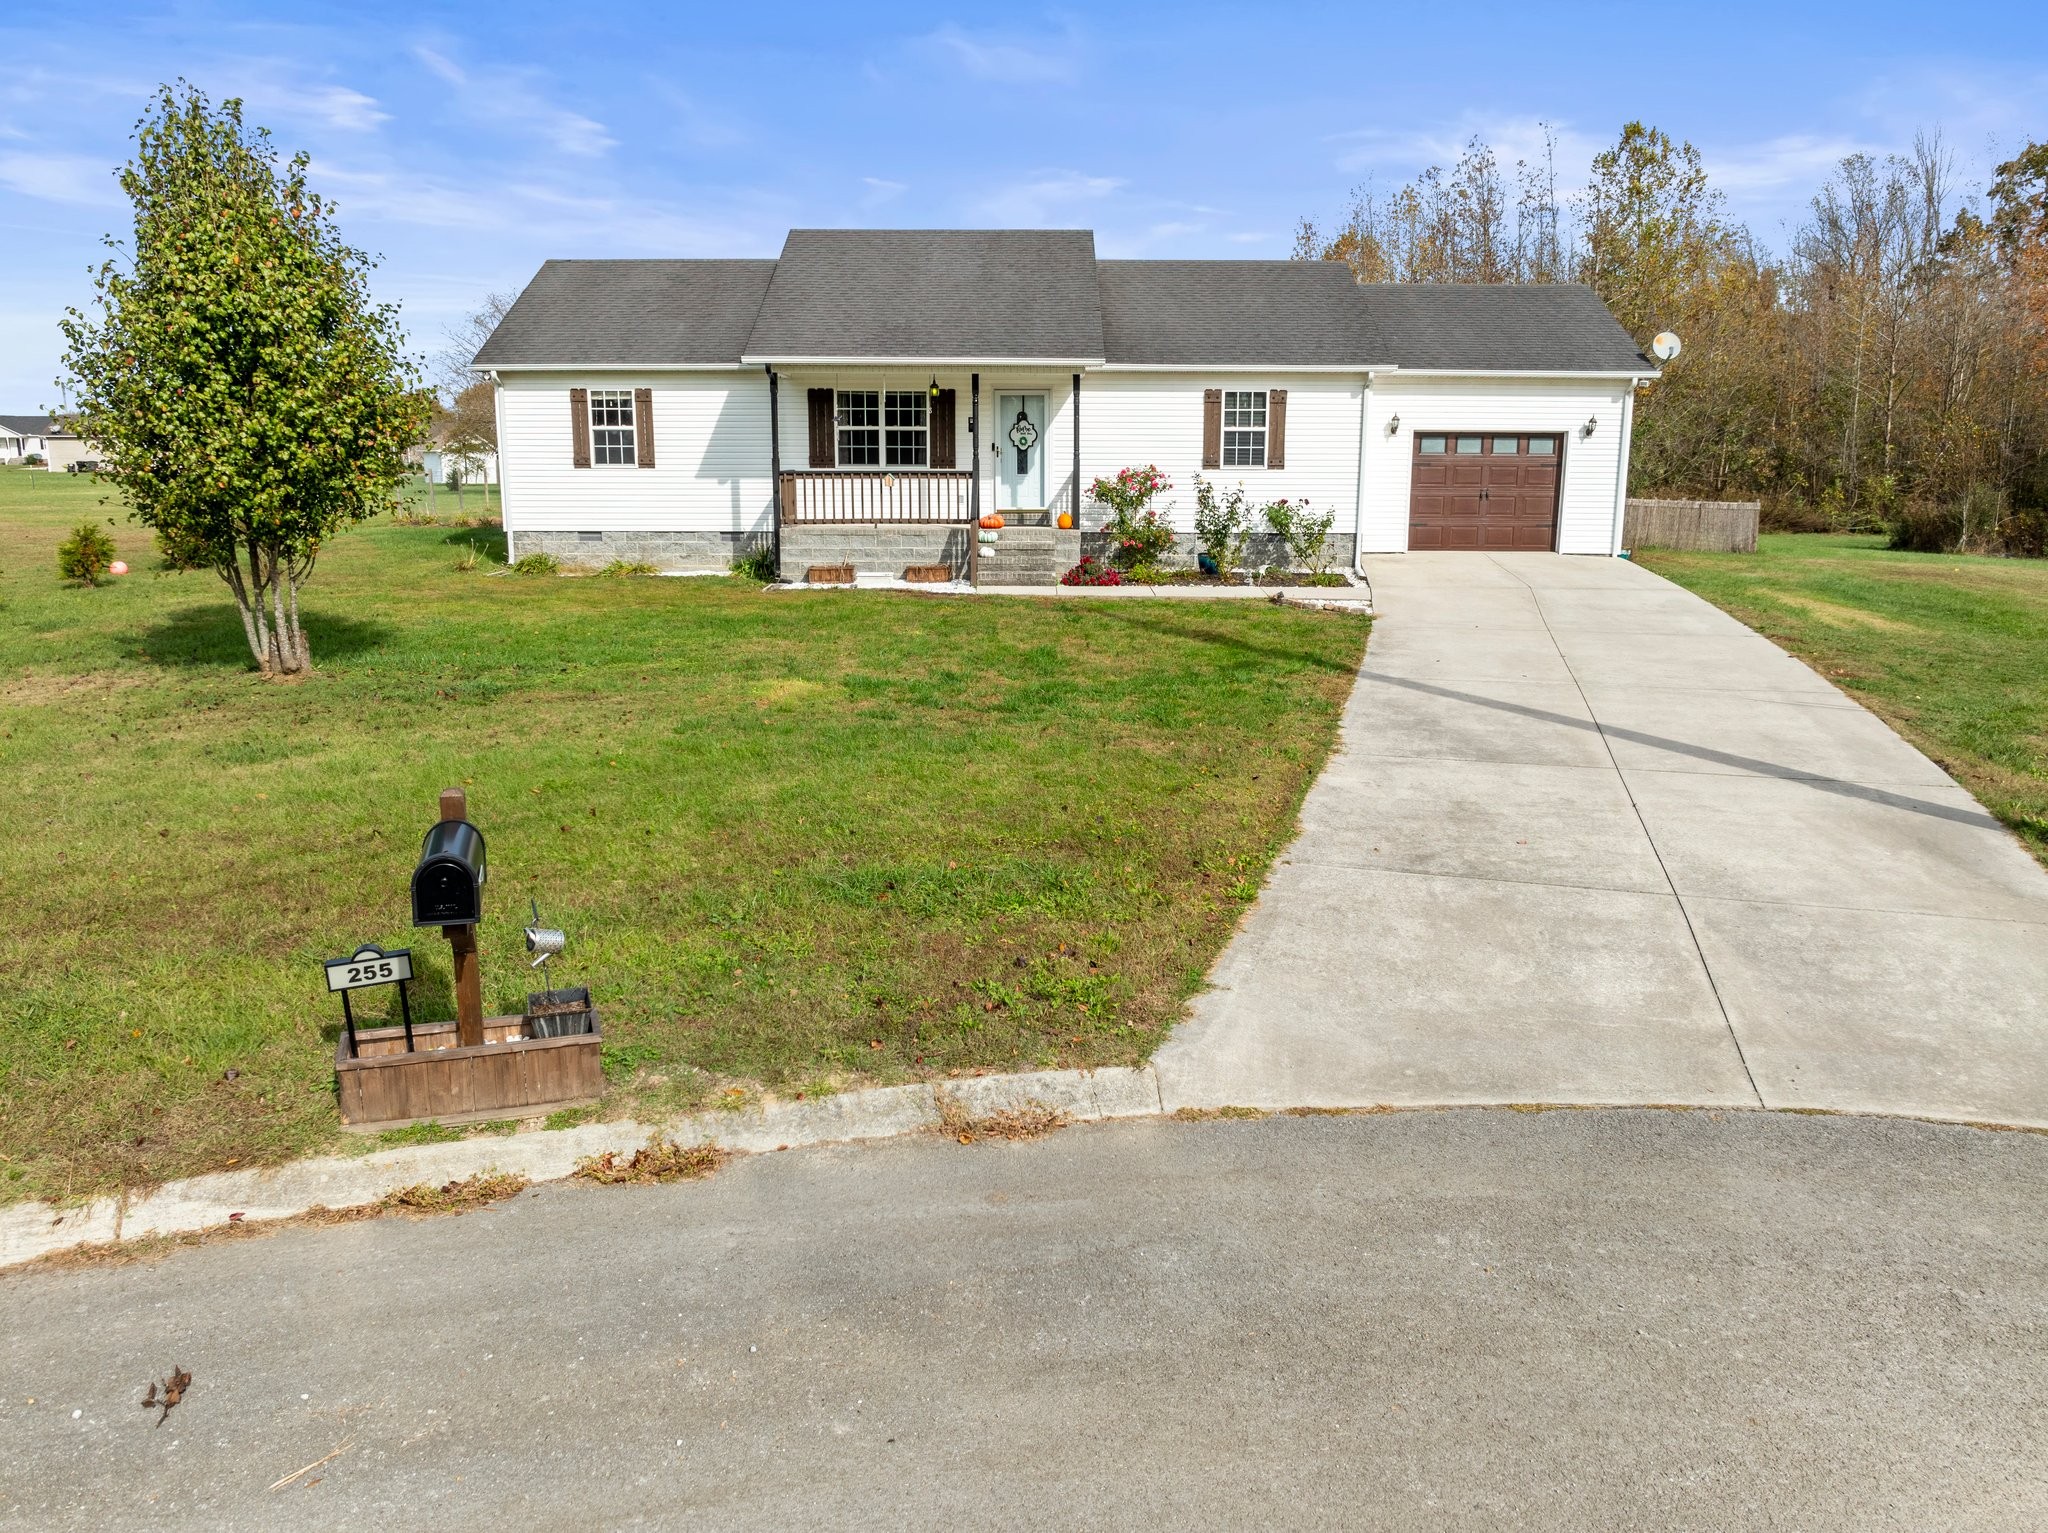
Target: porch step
pixel 1030 556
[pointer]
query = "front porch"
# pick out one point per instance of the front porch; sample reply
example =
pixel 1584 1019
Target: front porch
pixel 899 466
pixel 888 524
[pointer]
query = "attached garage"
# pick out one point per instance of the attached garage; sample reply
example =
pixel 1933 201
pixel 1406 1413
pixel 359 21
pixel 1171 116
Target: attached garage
pixel 1485 490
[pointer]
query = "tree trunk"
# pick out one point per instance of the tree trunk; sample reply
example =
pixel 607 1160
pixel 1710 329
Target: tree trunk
pixel 267 600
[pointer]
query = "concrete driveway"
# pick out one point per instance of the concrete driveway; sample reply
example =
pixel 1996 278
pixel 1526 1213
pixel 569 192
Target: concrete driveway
pixel 1589 839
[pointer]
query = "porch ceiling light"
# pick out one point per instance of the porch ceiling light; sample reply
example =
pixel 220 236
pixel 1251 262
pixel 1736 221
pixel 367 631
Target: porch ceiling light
pixel 935 386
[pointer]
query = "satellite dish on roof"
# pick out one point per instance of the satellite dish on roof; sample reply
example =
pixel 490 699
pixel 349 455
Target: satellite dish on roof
pixel 1666 346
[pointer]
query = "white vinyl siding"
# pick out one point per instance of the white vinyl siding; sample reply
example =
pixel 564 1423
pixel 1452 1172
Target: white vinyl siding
pixel 1465 406
pixel 710 454
pixel 1131 419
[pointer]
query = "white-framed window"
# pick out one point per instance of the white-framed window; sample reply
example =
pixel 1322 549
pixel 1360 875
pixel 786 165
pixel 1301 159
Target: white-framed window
pixel 883 428
pixel 1244 428
pixel 611 427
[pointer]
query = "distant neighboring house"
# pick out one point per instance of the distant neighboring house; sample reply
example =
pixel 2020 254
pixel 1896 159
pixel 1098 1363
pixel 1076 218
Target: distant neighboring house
pixel 435 459
pixel 437 463
pixel 22 436
pixel 46 435
pixel 866 397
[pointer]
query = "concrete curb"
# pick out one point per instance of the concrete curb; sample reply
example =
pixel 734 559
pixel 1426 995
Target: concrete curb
pixel 202 1202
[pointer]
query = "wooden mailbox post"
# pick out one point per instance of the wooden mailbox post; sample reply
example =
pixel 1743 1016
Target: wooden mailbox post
pixel 469 982
pixel 476 1066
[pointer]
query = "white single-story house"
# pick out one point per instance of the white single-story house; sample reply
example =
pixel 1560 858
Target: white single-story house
pixel 437 463
pixel 23 436
pixel 46 436
pixel 866 395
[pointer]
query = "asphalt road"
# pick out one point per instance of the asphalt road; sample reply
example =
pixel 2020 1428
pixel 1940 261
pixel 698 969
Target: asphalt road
pixel 1457 1319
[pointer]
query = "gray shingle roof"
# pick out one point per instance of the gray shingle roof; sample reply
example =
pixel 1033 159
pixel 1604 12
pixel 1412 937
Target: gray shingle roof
pixel 1013 294
pixel 1236 313
pixel 26 425
pixel 991 294
pixel 647 313
pixel 1521 328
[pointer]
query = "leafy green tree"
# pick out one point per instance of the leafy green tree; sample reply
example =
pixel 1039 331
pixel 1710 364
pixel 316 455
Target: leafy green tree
pixel 244 392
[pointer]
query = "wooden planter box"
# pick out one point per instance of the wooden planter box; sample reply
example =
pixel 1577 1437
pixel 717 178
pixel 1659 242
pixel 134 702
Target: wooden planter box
pixel 508 1075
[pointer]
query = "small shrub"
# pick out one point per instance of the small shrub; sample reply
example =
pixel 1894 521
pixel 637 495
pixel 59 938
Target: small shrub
pixel 1792 516
pixel 1920 528
pixel 85 555
pixel 536 564
pixel 757 563
pixel 1305 532
pixel 2024 534
pixel 470 560
pixel 1222 526
pixel 630 567
pixel 1092 572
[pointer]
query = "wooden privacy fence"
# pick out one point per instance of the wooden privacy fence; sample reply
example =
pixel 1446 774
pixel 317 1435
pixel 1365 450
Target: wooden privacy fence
pixel 908 495
pixel 1701 526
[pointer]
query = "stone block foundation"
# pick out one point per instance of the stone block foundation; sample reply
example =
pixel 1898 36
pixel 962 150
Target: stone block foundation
pixel 691 551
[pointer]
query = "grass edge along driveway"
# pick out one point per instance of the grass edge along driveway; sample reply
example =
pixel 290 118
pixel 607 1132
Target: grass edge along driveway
pixel 799 842
pixel 1950 650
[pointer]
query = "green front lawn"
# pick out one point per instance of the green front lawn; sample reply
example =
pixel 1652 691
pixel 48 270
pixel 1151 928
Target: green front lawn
pixel 799 842
pixel 1950 650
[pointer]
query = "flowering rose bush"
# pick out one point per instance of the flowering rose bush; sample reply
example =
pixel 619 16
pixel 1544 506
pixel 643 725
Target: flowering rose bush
pixel 1091 572
pixel 1137 533
pixel 1130 491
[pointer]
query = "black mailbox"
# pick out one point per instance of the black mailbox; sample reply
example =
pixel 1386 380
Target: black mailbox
pixel 448 884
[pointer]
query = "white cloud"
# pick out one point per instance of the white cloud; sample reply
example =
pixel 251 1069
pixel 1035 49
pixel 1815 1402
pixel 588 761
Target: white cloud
pixel 510 98
pixel 1407 153
pixel 881 191
pixel 1054 196
pixel 1798 160
pixel 1006 59
pixel 78 179
pixel 348 110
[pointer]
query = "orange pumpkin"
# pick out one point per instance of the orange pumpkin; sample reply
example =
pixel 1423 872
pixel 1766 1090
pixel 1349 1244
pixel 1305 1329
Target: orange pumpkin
pixel 1066 518
pixel 993 519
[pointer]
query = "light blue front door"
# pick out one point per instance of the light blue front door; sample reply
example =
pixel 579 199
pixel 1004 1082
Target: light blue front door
pixel 1019 440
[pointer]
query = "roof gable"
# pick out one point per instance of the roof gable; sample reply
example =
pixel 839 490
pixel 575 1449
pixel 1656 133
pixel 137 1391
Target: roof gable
pixel 932 294
pixel 630 313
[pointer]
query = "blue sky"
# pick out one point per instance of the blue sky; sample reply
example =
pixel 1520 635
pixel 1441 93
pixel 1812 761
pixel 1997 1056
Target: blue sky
pixel 465 144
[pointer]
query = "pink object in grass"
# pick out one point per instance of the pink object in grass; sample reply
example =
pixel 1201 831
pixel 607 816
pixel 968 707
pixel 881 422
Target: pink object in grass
pixel 118 567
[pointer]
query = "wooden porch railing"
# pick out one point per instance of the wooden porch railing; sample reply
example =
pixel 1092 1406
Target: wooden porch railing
pixel 897 495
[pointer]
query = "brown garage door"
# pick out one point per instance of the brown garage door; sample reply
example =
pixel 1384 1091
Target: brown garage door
pixel 1483 490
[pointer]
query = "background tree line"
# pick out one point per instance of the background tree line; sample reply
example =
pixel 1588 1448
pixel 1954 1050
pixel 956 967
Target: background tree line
pixel 1887 370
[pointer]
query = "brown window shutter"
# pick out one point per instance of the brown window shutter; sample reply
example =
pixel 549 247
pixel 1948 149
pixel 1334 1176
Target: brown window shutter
pixel 1212 428
pixel 1276 428
pixel 643 428
pixel 942 430
pixel 824 439
pixel 579 428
